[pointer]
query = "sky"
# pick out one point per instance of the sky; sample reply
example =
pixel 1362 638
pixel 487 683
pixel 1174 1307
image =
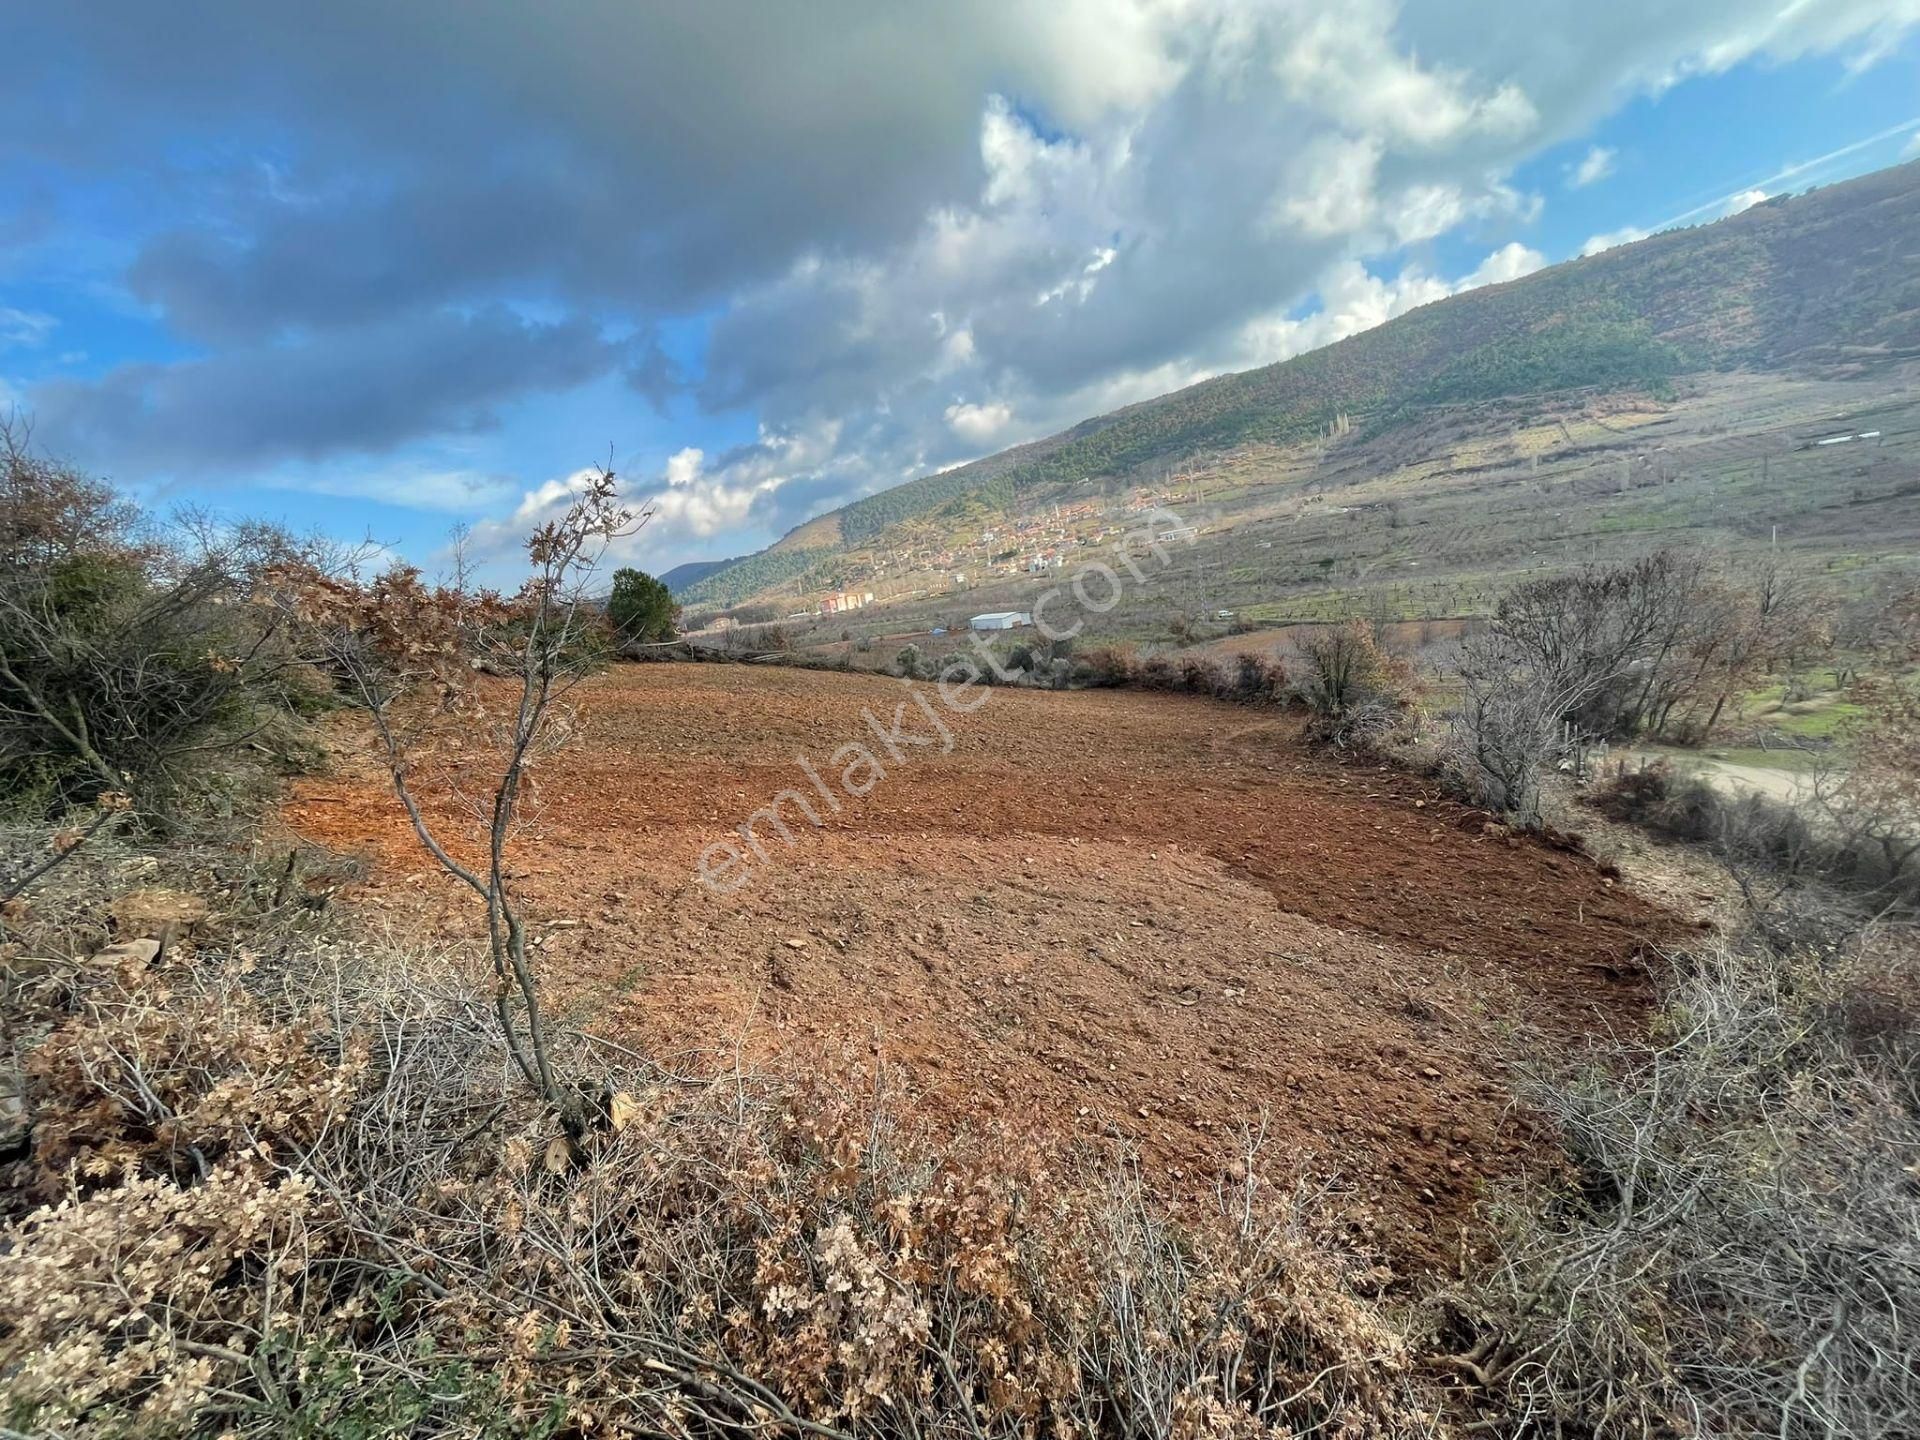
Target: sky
pixel 381 268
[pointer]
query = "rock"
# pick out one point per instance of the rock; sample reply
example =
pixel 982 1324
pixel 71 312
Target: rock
pixel 794 942
pixel 128 952
pixel 156 912
pixel 14 1129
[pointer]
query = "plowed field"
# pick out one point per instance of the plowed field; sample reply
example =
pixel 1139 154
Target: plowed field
pixel 1103 913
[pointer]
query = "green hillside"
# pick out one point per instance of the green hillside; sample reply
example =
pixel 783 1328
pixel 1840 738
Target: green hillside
pixel 748 576
pixel 1827 282
pixel 682 577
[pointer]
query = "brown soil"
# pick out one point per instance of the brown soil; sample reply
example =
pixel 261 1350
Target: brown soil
pixel 1113 914
pixel 1282 642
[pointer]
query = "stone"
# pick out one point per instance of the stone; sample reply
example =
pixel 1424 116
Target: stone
pixel 156 912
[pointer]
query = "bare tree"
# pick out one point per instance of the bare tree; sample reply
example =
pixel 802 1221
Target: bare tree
pixel 451 665
pixel 1617 634
pixel 1875 805
pixel 1881 625
pixel 1512 713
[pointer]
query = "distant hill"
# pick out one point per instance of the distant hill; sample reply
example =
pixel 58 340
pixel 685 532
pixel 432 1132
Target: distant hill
pixel 680 577
pixel 1827 282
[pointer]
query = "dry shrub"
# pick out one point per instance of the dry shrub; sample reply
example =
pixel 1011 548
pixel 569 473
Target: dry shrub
pixel 1202 677
pixel 1359 694
pixel 379 1233
pixel 1259 681
pixel 1156 672
pixel 1877 803
pixel 1106 666
pixel 1829 834
pixel 121 1307
pixel 169 1072
pixel 1739 1252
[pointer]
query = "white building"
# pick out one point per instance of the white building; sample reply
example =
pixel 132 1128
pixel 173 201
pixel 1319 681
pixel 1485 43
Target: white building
pixel 1000 620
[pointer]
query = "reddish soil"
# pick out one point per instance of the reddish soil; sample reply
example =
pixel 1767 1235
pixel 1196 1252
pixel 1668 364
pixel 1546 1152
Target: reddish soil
pixel 1110 913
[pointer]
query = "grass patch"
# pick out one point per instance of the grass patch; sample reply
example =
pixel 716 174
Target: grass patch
pixel 1792 761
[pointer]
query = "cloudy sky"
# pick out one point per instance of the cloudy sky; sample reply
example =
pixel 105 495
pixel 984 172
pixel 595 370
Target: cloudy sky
pixel 394 266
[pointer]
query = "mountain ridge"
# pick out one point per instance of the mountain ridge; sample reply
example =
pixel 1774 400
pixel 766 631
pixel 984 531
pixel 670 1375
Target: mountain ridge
pixel 1825 281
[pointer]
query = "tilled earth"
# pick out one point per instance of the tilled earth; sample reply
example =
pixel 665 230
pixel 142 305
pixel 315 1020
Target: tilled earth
pixel 1105 914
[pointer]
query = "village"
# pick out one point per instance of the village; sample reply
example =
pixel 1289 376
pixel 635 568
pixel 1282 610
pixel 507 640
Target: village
pixel 1034 544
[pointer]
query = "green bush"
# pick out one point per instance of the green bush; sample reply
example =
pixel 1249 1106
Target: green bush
pixel 131 662
pixel 641 610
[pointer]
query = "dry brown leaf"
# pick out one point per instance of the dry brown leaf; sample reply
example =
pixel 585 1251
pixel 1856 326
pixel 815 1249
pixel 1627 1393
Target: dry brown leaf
pixel 623 1111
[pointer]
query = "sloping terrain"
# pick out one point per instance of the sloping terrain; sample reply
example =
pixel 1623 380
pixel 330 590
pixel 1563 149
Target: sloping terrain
pixel 681 577
pixel 1105 914
pixel 1827 282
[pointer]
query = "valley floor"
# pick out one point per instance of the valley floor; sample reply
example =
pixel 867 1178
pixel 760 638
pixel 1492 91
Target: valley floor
pixel 1113 915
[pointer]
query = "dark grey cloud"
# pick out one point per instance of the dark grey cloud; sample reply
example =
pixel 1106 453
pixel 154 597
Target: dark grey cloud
pixel 296 176
pixel 926 230
pixel 363 389
pixel 652 153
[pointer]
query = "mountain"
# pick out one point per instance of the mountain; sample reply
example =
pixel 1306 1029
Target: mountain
pixel 680 577
pixel 1823 283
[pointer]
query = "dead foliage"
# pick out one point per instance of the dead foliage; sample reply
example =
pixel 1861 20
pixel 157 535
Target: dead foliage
pixel 1737 1250
pixel 291 1186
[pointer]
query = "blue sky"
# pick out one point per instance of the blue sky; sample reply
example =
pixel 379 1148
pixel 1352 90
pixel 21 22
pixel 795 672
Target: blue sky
pixel 407 267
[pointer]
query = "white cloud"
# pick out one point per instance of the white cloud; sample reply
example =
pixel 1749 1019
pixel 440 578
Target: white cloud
pixel 683 466
pixel 1745 200
pixel 1424 211
pixel 438 490
pixel 1597 165
pixel 1345 64
pixel 1353 299
pixel 1510 262
pixel 979 424
pixel 1612 239
pixel 548 498
pixel 1330 190
pixel 24 328
pixel 1019 163
pixel 956 351
pixel 1912 148
pixel 695 498
pixel 1080 286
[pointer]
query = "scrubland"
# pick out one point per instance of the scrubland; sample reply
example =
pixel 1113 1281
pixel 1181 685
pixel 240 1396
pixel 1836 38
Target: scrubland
pixel 1224 1050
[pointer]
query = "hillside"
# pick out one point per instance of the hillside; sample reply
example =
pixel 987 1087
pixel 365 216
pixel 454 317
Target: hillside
pixel 680 577
pixel 1827 283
